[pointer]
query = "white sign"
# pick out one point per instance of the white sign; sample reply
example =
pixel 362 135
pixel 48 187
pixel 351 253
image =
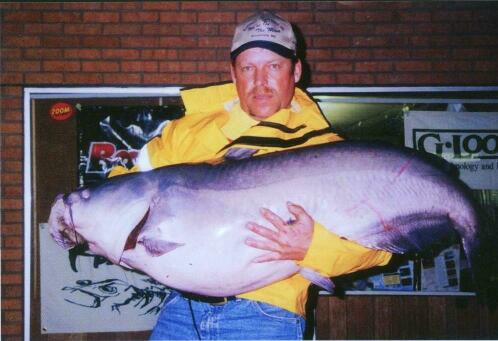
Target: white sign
pixel 469 140
pixel 84 293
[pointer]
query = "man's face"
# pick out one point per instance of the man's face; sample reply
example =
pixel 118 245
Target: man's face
pixel 265 81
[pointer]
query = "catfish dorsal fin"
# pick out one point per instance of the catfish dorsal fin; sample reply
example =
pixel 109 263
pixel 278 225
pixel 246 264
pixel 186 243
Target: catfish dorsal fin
pixel 157 247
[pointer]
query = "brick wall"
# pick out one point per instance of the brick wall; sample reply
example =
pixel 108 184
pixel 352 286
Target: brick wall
pixel 186 43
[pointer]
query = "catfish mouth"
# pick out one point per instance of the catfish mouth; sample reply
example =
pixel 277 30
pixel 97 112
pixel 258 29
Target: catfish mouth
pixel 131 241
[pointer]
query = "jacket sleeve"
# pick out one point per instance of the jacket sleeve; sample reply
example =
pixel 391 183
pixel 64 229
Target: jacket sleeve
pixel 159 151
pixel 331 255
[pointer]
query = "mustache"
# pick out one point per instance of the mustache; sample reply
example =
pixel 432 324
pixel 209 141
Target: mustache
pixel 262 90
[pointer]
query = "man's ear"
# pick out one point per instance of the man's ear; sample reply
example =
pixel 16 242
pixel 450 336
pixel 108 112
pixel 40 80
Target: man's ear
pixel 232 73
pixel 298 69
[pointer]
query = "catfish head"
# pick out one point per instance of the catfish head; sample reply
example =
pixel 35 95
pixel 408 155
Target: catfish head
pixel 102 217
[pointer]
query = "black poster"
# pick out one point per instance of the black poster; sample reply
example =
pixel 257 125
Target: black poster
pixel 113 135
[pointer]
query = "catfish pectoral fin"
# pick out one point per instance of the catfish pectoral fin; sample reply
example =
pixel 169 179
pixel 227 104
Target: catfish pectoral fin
pixel 317 279
pixel 157 247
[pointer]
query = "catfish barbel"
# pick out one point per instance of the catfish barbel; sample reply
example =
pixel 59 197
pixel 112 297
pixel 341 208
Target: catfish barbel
pixel 184 225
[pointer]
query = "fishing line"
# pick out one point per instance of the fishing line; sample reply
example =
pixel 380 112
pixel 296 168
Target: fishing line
pixel 193 319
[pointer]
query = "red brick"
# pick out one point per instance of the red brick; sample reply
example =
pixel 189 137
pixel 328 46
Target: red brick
pixel 40 53
pixel 391 54
pixel 120 54
pixel 318 54
pixel 333 17
pixel 330 42
pixel 61 17
pixel 393 29
pixel 22 16
pixel 225 42
pixel 216 17
pixel 122 78
pixel 432 54
pixel 36 28
pixel 162 78
pixel 99 66
pixel 10 91
pixel 11 103
pixel 12 291
pixel 11 127
pixel 369 41
pixel 12 140
pixel 10 54
pixel 238 5
pixel 82 54
pixel 142 42
pixel 20 41
pixel 198 54
pixel 213 67
pixel 160 54
pixel 12 242
pixel 127 28
pixel 371 16
pixel 413 66
pixel 12 329
pixel 103 17
pixel 119 6
pixel 161 6
pixel 355 78
pixel 162 29
pixel 451 15
pixel 175 17
pixel 61 41
pixel 351 54
pixel 12 153
pixel 199 78
pixel 373 66
pixel 86 29
pixel 12 303
pixel 101 41
pixel 87 6
pixel 61 65
pixel 139 17
pixel 11 254
pixel 13 316
pixel 10 78
pixel 174 42
pixel 139 66
pixel 15 230
pixel 298 17
pixel 201 5
pixel 449 65
pixel 178 66
pixel 486 66
pixel 12 191
pixel 83 78
pixel 41 6
pixel 43 78
pixel 333 66
pixel 11 217
pixel 11 29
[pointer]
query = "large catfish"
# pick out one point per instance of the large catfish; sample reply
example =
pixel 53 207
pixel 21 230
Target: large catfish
pixel 184 225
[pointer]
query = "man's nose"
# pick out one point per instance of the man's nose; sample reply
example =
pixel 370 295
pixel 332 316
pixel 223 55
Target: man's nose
pixel 260 77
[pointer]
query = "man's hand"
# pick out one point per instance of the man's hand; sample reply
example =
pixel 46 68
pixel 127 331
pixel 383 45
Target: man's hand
pixel 290 241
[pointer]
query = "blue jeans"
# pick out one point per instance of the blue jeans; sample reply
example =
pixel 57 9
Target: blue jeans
pixel 235 320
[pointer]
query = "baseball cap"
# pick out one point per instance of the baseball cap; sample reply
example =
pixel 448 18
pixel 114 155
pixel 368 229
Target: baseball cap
pixel 267 30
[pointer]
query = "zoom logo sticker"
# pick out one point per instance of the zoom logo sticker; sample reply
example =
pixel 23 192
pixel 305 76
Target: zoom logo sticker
pixel 457 144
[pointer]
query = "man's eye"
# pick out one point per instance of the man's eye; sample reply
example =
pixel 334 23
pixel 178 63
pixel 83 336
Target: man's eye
pixel 246 68
pixel 275 66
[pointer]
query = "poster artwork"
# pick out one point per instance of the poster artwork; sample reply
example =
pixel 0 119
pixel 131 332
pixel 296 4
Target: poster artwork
pixel 468 140
pixel 112 135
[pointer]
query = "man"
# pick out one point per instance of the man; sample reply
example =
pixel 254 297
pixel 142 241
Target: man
pixel 261 112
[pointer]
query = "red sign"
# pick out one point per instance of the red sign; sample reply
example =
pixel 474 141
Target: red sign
pixel 61 111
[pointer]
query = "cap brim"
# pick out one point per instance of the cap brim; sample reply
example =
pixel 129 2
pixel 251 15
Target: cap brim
pixel 269 45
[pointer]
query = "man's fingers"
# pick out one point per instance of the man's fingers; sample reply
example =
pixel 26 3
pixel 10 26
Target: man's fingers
pixel 262 231
pixel 263 245
pixel 267 257
pixel 274 219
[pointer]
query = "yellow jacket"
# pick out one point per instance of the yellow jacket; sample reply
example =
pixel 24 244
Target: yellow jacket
pixel 214 124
